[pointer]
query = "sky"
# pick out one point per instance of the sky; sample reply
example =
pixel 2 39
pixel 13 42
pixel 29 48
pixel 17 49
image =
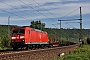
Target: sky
pixel 22 12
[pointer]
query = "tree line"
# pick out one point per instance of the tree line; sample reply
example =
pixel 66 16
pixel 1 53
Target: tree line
pixel 53 33
pixel 37 25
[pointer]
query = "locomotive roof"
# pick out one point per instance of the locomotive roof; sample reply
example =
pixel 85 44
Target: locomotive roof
pixel 31 28
pixel 38 30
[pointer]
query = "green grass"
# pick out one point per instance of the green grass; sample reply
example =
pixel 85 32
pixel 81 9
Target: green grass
pixel 81 53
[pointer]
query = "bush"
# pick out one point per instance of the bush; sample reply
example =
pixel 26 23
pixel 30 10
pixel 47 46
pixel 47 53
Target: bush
pixel 82 53
pixel 88 40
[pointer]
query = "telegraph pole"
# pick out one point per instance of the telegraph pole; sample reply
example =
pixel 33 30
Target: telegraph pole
pixel 60 29
pixel 60 23
pixel 80 37
pixel 80 24
pixel 9 27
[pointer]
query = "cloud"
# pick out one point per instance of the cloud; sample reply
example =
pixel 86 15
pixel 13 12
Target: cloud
pixel 50 10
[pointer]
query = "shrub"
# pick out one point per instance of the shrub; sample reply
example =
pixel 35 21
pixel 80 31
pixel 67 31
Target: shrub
pixel 82 53
pixel 88 40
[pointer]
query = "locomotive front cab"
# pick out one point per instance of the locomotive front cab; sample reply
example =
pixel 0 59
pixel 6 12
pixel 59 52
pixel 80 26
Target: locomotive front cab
pixel 18 38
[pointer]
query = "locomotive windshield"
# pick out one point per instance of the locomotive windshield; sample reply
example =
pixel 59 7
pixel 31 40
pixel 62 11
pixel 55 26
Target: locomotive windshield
pixel 18 31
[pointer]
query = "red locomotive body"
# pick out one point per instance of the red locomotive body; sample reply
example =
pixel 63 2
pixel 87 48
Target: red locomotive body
pixel 28 37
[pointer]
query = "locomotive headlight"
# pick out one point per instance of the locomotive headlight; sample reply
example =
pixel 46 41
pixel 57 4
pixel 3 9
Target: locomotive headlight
pixel 21 37
pixel 13 37
pixel 23 40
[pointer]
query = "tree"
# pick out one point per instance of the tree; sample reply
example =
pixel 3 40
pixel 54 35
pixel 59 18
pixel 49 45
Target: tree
pixel 32 24
pixel 4 40
pixel 37 25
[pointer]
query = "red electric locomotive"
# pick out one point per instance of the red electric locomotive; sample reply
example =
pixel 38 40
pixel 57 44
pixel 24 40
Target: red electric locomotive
pixel 27 37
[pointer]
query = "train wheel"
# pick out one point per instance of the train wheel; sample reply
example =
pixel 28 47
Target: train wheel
pixel 34 46
pixel 27 47
pixel 31 47
pixel 50 46
pixel 38 46
pixel 42 46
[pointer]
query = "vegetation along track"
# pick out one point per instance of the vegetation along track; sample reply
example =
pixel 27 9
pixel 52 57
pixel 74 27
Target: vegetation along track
pixel 40 54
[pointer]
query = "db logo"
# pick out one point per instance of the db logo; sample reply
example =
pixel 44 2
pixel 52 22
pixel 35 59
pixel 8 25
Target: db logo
pixel 17 37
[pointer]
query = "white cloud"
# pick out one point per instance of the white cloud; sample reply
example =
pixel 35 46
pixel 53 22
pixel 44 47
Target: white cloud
pixel 62 8
pixel 58 10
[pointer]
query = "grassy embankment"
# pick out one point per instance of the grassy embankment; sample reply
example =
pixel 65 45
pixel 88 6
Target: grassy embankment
pixel 81 53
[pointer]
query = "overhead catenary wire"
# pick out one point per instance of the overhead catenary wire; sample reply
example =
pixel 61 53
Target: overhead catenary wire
pixel 68 13
pixel 35 10
pixel 53 14
pixel 20 10
pixel 70 24
pixel 14 14
pixel 44 8
pixel 68 19
pixel 15 8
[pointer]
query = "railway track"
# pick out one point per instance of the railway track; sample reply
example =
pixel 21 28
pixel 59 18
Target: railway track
pixel 2 52
pixel 38 54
